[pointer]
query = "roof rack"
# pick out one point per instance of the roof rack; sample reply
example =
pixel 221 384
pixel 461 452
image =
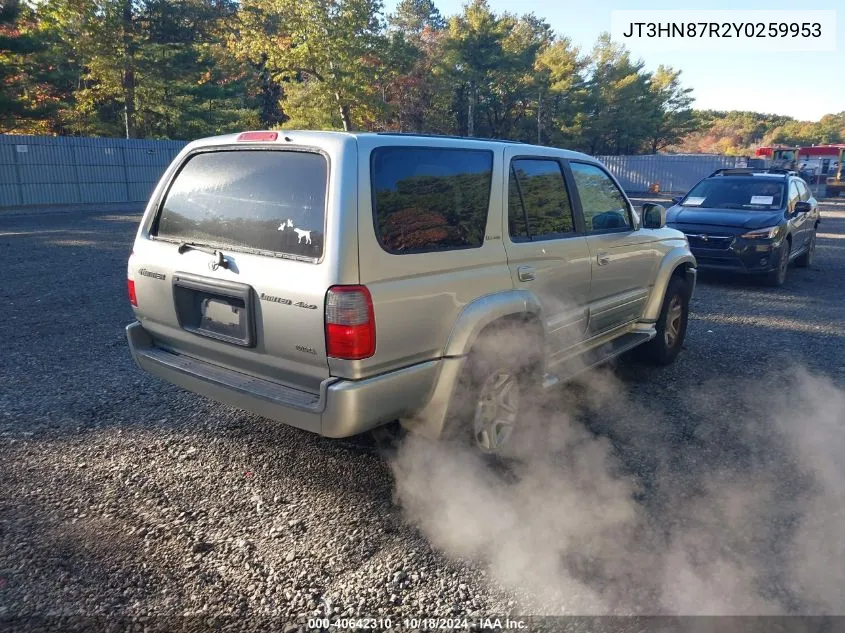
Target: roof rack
pixel 463 138
pixel 748 171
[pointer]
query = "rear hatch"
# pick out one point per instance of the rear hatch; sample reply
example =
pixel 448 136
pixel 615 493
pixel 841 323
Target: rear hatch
pixel 231 266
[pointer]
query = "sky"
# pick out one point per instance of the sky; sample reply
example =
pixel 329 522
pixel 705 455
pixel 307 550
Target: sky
pixel 803 85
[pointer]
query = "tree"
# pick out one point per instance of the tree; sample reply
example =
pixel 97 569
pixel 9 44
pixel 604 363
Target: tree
pixel 472 52
pixel 413 17
pixel 620 110
pixel 191 88
pixel 518 87
pixel 409 85
pixel 189 68
pixel 733 132
pixel 18 101
pixel 830 129
pixel 324 51
pixel 560 71
pixel 673 116
pixel 145 68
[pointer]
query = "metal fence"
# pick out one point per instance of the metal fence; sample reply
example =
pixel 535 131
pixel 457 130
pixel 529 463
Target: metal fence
pixel 46 170
pixel 671 172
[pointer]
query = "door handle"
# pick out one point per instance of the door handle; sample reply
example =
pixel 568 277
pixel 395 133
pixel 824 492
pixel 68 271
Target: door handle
pixel 603 259
pixel 526 273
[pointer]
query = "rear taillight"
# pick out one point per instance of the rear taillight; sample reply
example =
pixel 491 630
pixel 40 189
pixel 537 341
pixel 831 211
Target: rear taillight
pixel 130 284
pixel 350 323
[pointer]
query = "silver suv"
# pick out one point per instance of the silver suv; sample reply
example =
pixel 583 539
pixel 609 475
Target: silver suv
pixel 337 282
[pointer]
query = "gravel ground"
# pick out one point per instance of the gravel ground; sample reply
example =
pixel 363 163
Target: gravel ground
pixel 123 496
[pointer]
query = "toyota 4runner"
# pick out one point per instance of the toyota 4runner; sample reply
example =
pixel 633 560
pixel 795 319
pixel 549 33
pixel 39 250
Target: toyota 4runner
pixel 337 282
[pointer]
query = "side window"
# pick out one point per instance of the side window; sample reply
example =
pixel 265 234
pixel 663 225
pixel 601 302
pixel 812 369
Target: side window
pixel 794 196
pixel 803 191
pixel 538 203
pixel 604 205
pixel 430 199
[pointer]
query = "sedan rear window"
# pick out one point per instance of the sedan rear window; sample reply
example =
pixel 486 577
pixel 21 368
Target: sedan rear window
pixel 259 200
pixel 740 192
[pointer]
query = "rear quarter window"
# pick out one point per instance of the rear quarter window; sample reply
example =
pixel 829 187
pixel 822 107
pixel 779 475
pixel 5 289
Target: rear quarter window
pixel 261 200
pixel 430 199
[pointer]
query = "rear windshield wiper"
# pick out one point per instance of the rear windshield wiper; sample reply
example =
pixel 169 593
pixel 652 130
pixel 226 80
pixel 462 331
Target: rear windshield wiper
pixel 188 246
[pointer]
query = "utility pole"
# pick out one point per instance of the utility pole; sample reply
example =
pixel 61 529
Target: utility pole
pixel 470 113
pixel 128 67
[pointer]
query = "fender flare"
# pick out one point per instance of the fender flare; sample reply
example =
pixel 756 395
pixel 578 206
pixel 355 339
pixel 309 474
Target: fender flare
pixel 471 321
pixel 483 311
pixel 676 258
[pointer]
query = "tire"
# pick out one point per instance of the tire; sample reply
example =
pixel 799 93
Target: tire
pixel 806 258
pixel 777 277
pixel 671 325
pixel 501 374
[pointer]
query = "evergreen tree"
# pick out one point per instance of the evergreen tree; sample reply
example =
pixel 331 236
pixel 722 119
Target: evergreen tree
pixel 18 101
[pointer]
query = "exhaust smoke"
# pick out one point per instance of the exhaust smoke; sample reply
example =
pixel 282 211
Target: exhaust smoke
pixel 715 504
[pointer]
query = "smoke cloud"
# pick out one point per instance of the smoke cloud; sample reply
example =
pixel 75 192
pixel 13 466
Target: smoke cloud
pixel 709 504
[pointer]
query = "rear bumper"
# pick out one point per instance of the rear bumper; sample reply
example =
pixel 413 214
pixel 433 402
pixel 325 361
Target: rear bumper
pixel 342 408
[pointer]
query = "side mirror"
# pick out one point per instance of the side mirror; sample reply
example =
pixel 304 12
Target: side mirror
pixel 677 199
pixel 654 216
pixel 802 206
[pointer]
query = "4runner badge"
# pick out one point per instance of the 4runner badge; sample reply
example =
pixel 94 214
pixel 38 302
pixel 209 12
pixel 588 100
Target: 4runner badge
pixel 149 273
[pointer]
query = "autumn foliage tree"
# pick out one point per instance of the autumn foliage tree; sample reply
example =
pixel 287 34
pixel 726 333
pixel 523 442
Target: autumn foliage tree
pixel 191 68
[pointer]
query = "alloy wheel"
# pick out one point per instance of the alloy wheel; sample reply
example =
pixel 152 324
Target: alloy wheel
pixel 496 411
pixel 674 318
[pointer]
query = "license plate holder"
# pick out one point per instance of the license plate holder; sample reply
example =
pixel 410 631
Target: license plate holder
pixel 215 308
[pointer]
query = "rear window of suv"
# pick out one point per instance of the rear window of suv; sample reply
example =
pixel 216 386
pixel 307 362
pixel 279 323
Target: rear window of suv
pixel 255 200
pixel 430 199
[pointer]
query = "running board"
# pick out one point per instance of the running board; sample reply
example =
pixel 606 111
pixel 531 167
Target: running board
pixel 597 356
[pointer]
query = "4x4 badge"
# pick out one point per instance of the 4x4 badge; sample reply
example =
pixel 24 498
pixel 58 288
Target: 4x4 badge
pixel 288 302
